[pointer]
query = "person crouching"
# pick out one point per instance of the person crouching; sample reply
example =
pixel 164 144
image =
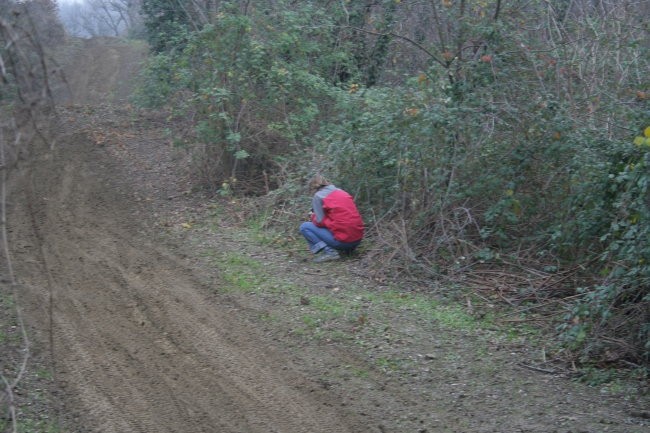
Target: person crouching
pixel 334 225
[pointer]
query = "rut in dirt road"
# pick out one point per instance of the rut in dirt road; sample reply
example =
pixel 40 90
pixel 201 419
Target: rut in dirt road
pixel 137 342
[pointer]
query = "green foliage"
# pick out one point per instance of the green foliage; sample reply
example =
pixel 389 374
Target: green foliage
pixel 468 131
pixel 157 83
pixel 248 86
pixel 165 21
pixel 615 214
pixel 492 151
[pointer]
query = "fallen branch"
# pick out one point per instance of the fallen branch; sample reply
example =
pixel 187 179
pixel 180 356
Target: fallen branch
pixel 11 404
pixel 541 370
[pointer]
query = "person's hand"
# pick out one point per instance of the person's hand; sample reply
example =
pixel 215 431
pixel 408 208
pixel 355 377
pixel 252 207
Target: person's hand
pixel 309 215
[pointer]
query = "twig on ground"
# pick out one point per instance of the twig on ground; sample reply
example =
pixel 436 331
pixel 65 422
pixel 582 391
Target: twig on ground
pixel 541 370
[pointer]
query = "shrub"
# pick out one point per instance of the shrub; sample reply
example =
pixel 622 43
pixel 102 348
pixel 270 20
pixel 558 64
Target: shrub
pixel 611 317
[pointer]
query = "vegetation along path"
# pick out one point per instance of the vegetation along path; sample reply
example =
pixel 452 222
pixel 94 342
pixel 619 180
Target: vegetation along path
pixel 158 310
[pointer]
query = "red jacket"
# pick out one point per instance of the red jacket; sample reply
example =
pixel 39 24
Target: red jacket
pixel 339 214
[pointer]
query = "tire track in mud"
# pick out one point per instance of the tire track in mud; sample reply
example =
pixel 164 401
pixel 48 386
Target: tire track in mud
pixel 138 342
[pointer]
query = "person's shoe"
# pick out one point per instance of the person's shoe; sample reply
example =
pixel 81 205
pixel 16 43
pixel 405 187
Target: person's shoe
pixel 327 255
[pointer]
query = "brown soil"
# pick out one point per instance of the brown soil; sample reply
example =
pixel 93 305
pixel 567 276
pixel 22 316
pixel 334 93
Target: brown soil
pixel 157 312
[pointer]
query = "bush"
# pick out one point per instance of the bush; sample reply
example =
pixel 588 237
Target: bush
pixel 611 317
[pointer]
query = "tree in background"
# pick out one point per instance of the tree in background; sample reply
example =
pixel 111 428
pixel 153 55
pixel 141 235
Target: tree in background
pixel 40 17
pixel 168 20
pixel 28 29
pixel 102 18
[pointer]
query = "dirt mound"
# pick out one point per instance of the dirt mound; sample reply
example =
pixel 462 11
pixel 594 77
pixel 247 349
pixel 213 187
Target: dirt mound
pixel 143 337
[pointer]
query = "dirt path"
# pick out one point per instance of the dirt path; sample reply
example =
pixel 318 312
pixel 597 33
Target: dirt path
pixel 138 344
pixel 152 327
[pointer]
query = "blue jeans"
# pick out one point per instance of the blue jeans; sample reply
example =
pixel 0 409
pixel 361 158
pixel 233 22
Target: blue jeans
pixel 320 237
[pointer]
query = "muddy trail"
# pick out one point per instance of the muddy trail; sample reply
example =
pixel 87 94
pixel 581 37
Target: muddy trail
pixel 157 311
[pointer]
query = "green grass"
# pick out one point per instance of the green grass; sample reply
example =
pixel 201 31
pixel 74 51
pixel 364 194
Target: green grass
pixel 388 365
pixel 360 372
pixel 342 314
pixel 426 307
pixel 268 317
pixel 237 282
pixel 238 273
pixel 28 419
pixel 310 322
pixel 327 306
pixel 44 373
pixel 7 314
pixel 455 317
pixel 243 274
pixel 37 426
